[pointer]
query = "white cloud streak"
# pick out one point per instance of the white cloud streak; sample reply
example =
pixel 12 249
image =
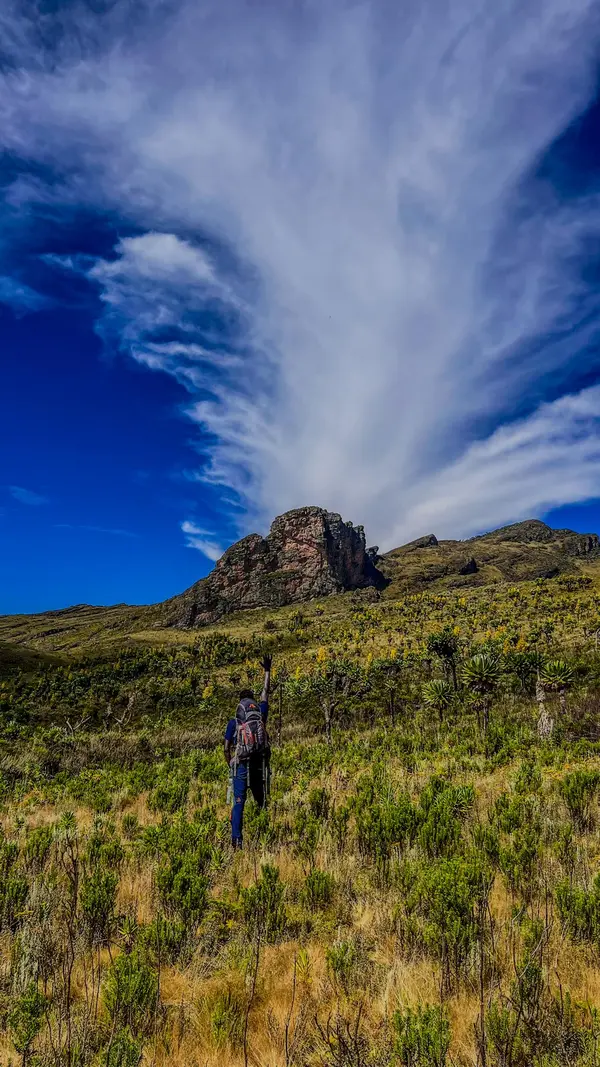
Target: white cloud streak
pixel 342 254
pixel 202 540
pixel 21 298
pixel 536 461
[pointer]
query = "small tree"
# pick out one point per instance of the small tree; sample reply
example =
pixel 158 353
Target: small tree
pixel 524 666
pixel 331 684
pixel 386 677
pixel 481 675
pixel 545 722
pixel 444 645
pixel 558 677
pixel 437 695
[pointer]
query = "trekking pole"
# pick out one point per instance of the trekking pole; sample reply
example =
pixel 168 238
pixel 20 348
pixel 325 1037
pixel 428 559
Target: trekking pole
pixel 266 777
pixel 282 678
pixel 230 785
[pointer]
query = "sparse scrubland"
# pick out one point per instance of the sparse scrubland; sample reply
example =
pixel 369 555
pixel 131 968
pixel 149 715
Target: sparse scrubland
pixel 424 889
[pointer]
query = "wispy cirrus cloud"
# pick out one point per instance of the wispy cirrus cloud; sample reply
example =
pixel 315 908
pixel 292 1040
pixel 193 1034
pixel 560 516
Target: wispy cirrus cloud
pixel 27 496
pixel 344 246
pixel 202 540
pixel 20 297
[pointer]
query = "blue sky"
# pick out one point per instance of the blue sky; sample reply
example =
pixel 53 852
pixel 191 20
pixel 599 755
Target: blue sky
pixel 98 445
pixel 339 254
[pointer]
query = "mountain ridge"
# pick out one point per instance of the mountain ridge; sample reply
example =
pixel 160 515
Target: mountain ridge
pixel 332 559
pixel 522 551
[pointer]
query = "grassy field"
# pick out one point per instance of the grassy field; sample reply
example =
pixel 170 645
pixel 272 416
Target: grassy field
pixel 422 890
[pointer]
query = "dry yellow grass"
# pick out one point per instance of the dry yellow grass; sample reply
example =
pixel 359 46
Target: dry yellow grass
pixel 136 893
pixel 388 980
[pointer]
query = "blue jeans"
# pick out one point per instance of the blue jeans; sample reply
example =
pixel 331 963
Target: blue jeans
pixel 246 774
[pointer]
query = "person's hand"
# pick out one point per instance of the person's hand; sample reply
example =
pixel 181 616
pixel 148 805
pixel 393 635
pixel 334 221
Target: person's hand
pixel 266 662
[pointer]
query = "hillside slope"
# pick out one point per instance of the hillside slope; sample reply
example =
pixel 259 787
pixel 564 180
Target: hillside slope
pixel 521 552
pixel 14 658
pixel 80 627
pixel 427 866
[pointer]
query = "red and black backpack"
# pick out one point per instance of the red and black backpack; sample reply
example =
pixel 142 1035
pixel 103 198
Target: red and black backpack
pixel 251 736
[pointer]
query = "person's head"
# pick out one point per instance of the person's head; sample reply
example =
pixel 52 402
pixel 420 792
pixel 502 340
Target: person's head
pixel 246 694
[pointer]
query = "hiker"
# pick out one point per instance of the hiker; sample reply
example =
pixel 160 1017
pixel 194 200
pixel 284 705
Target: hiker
pixel 247 752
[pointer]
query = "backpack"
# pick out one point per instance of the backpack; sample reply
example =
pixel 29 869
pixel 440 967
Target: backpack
pixel 251 736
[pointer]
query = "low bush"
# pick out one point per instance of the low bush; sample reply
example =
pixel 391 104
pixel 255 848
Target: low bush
pixel 131 992
pixel 422 1037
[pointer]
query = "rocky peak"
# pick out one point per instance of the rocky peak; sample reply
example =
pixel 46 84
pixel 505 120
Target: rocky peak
pixel 427 541
pixel 309 552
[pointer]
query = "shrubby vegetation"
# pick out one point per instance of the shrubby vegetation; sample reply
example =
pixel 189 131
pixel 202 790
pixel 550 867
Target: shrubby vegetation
pixel 424 889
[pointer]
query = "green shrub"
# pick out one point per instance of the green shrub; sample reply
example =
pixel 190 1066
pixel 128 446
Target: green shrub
pixel 227 1020
pixel 518 860
pixel 342 961
pixel 505 1041
pixel 131 991
pixel 579 910
pixel 444 808
pixel 422 1037
pixel 516 812
pixel 264 905
pixel 25 1019
pixel 339 819
pixel 123 1051
pixel 306 834
pixel 185 852
pixel 14 887
pixel 182 887
pixel 259 826
pixel 528 778
pixel 98 896
pixel 130 825
pixel 37 846
pixel 103 846
pixel 318 803
pixel 487 841
pixel 318 889
pixel 578 791
pixel 437 912
pixel 170 794
pixel 166 938
pixel 565 847
pixel 383 823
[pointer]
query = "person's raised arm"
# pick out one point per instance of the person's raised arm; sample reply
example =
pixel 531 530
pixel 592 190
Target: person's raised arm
pixel 266 664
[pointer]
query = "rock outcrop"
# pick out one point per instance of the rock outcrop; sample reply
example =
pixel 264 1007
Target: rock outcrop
pixel 469 566
pixel 428 541
pixel 308 553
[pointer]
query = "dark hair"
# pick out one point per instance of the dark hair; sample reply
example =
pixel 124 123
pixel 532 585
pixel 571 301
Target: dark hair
pixel 246 694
